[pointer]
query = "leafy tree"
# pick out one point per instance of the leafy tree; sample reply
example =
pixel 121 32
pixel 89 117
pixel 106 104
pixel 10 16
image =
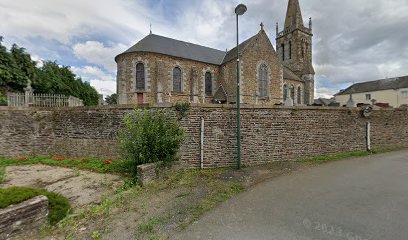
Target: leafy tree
pixel 112 99
pixel 17 67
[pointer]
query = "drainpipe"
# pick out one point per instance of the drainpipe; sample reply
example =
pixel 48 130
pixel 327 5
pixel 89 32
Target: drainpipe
pixel 202 144
pixel 368 138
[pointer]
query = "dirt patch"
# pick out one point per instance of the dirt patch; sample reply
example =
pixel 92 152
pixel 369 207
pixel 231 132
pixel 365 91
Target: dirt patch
pixel 79 187
pixel 156 211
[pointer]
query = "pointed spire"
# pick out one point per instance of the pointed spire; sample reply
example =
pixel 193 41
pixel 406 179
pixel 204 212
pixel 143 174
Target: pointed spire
pixel 310 23
pixel 277 28
pixel 262 26
pixel 151 29
pixel 293 15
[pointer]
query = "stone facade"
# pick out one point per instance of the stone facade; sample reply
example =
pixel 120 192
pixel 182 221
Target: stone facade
pixel 160 56
pixel 158 74
pixel 23 217
pixel 268 133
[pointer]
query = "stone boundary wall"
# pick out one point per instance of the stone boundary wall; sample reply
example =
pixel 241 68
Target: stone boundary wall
pixel 268 133
pixel 23 217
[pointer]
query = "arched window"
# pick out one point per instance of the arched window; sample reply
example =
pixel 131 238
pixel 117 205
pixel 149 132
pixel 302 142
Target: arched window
pixel 290 50
pixel 140 76
pixel 283 52
pixel 292 93
pixel 208 84
pixel 263 81
pixel 299 95
pixel 285 92
pixel 177 79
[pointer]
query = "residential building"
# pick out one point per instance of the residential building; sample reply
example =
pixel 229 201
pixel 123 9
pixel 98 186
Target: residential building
pixel 392 91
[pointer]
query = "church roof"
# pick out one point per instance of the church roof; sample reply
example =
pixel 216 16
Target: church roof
pixel 232 54
pixel 378 85
pixel 163 45
pixel 289 75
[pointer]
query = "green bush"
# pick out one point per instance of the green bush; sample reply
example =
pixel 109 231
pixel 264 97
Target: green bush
pixel 59 206
pixel 149 136
pixel 3 98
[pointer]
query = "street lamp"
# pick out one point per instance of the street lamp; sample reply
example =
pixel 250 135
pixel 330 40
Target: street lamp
pixel 239 10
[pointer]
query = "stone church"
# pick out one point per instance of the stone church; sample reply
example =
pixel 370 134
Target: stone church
pixel 158 69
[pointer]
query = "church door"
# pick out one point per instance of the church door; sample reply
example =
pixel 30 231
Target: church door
pixel 140 98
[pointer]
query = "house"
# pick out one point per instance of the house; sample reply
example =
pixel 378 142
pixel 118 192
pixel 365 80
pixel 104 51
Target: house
pixel 158 69
pixel 392 91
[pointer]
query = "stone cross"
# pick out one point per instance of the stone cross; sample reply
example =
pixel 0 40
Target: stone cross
pixel 262 26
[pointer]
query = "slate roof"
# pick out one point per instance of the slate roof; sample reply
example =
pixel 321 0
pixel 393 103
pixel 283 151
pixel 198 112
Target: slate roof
pixel 378 85
pixel 168 46
pixel 232 54
pixel 289 75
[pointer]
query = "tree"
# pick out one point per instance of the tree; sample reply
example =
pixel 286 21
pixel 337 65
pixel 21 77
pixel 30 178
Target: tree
pixel 17 67
pixel 112 99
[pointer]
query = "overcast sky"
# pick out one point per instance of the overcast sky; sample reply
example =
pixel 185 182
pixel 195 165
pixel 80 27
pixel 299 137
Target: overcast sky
pixel 354 40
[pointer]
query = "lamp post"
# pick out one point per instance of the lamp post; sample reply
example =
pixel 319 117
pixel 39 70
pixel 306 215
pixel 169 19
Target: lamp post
pixel 239 10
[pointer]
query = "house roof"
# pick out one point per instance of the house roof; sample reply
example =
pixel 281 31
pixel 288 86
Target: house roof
pixel 163 45
pixel 378 85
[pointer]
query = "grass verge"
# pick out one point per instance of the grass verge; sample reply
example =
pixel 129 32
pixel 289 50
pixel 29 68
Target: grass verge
pixel 93 164
pixel 3 175
pixel 346 155
pixel 58 205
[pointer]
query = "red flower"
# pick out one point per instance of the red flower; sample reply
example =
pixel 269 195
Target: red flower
pixel 73 159
pixel 21 158
pixel 59 158
pixel 109 161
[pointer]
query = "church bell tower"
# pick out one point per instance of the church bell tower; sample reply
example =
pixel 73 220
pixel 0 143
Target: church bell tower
pixel 294 45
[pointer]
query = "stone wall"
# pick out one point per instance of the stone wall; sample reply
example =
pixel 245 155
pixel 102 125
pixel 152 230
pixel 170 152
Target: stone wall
pixel 159 78
pixel 268 133
pixel 24 217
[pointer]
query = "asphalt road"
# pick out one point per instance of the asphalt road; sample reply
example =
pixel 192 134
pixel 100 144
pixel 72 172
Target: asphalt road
pixel 356 199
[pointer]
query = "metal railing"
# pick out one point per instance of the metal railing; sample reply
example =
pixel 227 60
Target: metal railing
pixel 42 100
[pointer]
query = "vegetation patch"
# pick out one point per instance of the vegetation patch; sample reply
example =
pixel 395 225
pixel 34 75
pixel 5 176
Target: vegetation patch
pixel 149 136
pixel 346 155
pixel 59 206
pixel 3 175
pixel 97 165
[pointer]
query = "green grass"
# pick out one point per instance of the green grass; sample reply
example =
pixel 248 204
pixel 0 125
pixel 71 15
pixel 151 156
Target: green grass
pixel 346 155
pixel 59 206
pixel 98 165
pixel 3 175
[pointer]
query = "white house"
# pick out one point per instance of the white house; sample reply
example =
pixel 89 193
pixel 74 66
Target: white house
pixel 393 91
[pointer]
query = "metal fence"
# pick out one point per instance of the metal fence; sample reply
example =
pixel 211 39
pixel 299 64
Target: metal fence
pixel 42 100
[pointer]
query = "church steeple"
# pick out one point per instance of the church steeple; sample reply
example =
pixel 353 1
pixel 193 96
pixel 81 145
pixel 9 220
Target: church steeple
pixel 293 15
pixel 294 45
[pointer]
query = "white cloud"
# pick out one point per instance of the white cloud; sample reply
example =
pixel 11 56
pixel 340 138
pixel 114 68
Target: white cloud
pixel 362 40
pixel 95 52
pixel 104 83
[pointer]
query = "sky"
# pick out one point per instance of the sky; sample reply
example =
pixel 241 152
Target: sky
pixel 354 40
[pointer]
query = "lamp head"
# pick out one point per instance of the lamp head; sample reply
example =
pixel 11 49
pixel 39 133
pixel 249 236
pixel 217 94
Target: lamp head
pixel 240 9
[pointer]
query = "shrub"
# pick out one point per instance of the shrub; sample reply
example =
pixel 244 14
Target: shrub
pixel 149 136
pixel 59 206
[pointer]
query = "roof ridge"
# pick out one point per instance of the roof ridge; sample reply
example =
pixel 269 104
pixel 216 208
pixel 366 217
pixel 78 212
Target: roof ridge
pixel 182 41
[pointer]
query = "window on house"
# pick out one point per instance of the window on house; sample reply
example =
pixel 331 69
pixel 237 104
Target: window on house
pixel 299 95
pixel 290 50
pixel 404 94
pixel 292 93
pixel 140 76
pixel 208 84
pixel 285 92
pixel 263 81
pixel 283 52
pixel 177 79
pixel 368 96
